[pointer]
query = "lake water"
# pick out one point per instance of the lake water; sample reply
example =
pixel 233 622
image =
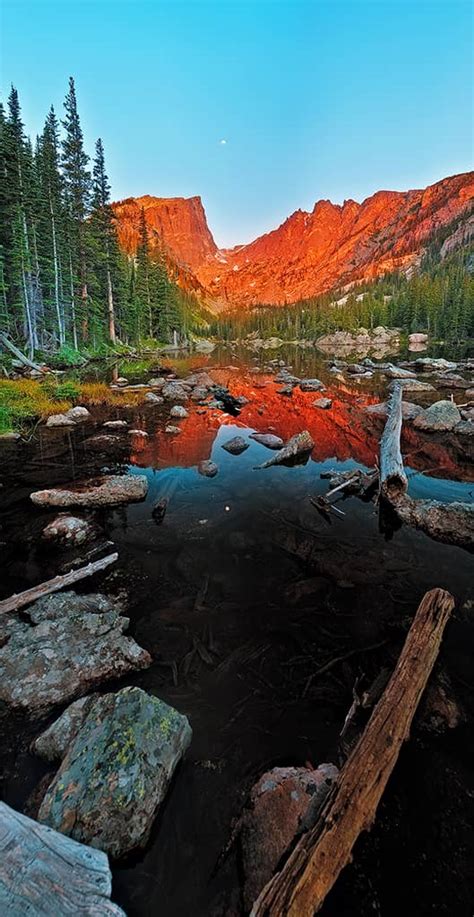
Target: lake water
pixel 240 595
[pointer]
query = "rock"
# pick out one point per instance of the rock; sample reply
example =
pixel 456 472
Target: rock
pixel 356 369
pixel 311 385
pixel 417 338
pixel 204 346
pixel 439 709
pixel 285 390
pixel 68 530
pixel 199 393
pixel 267 439
pixel 44 873
pixel 172 429
pixel 281 806
pixel 70 644
pixel 159 510
pixel 442 415
pixel 396 372
pixel 140 434
pixel 465 428
pixel 430 364
pixel 105 442
pixel 207 468
pixel 53 744
pixel 78 414
pixel 296 450
pixel 60 420
pixel 451 380
pixel 115 424
pixel 121 381
pixel 470 393
pixel 116 771
pixel 235 446
pixel 409 410
pixel 286 377
pixel 413 385
pixel 158 383
pixel 175 391
pixel 151 398
pixel 226 401
pixel 179 412
pixel 106 491
pixel 323 403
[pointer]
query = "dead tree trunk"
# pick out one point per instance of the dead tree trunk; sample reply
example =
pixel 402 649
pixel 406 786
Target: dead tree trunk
pixel 393 479
pixel 53 585
pixel 322 853
pixel 8 345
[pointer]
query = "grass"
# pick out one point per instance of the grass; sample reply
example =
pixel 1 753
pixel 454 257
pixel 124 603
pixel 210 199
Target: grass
pixel 26 400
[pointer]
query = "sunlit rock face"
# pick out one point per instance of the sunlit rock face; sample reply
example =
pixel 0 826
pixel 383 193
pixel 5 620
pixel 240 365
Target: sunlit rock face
pixel 310 252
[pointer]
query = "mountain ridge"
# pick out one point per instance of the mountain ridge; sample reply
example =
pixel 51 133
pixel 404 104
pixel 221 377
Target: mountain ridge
pixel 309 253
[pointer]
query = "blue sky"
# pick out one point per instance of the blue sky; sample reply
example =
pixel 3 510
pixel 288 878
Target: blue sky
pixel 315 99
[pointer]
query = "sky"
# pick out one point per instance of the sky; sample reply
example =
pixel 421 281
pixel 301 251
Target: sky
pixel 260 107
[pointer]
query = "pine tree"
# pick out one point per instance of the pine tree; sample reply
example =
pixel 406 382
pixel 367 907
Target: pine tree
pixel 104 234
pixel 78 191
pixel 52 218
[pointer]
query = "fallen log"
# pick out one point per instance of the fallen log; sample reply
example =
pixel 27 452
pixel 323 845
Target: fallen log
pixel 320 855
pixel 54 585
pixel 393 479
pixel 8 345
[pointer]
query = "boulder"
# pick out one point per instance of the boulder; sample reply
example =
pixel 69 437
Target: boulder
pixel 413 385
pixel 397 372
pixel 451 380
pixel 267 439
pixel 179 412
pixel 68 530
pixel 323 403
pixel 409 410
pixel 296 450
pixel 465 428
pixel 417 338
pixel 106 491
pixel 151 398
pixel 236 445
pixel 431 364
pixel 52 744
pixel 115 424
pixel 285 390
pixel 60 420
pixel 283 803
pixel 43 872
pixel 70 644
pixel 207 468
pixel 442 416
pixel 175 391
pixel 157 383
pixel 356 369
pixel 78 414
pixel 170 428
pixel 116 771
pixel 311 385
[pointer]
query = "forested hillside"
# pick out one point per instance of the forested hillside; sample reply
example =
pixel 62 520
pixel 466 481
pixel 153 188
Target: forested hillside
pixel 438 298
pixel 64 282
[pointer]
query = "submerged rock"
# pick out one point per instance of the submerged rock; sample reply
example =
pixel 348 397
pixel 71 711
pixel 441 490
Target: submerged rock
pixel 283 803
pixel 116 771
pixel 236 445
pixel 70 644
pixel 442 416
pixel 409 410
pixel 297 448
pixel 311 385
pixel 175 391
pixel 207 468
pixel 323 403
pixel 107 491
pixel 43 872
pixel 267 439
pixel 68 530
pixel 179 412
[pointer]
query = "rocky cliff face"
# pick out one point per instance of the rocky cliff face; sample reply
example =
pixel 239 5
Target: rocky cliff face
pixel 309 253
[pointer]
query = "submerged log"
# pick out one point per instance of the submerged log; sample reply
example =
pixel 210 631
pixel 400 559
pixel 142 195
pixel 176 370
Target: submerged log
pixel 320 855
pixel 393 479
pixel 53 585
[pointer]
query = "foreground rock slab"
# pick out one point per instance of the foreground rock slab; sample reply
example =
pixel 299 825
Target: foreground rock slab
pixel 116 771
pixel 107 491
pixel 43 872
pixel 281 806
pixel 297 449
pixel 70 644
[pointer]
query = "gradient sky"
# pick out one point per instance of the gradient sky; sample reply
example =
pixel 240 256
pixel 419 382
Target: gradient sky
pixel 314 99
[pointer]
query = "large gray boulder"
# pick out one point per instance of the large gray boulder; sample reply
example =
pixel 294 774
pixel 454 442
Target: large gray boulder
pixel 440 416
pixel 43 873
pixel 70 644
pixel 105 491
pixel 116 771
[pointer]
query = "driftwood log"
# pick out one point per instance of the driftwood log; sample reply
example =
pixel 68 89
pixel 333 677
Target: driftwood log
pixel 8 345
pixel 43 873
pixel 54 585
pixel 320 855
pixel 449 522
pixel 393 480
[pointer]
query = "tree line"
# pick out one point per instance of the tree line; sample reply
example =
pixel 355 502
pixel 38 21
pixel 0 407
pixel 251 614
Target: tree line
pixel 64 282
pixel 438 298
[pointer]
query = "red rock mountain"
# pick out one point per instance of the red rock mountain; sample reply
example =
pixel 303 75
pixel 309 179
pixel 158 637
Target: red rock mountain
pixel 309 253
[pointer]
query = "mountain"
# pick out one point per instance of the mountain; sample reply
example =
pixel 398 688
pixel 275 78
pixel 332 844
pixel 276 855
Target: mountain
pixel 332 246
